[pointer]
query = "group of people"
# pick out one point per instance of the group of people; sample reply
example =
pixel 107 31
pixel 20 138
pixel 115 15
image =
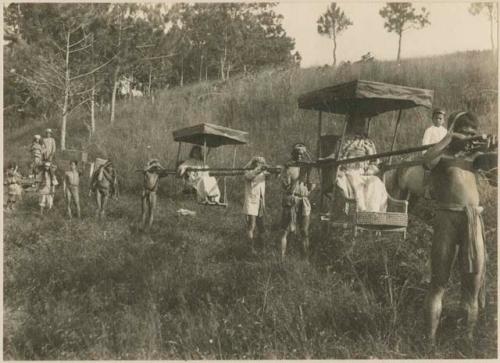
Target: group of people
pixel 458 227
pixel 452 174
pixel 44 177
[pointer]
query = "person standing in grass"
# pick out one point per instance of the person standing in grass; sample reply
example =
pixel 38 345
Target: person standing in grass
pixel 152 174
pixel 49 146
pixel 71 186
pixel 104 184
pixel 458 222
pixel 254 202
pixel 47 183
pixel 296 204
pixel 37 152
pixel 13 183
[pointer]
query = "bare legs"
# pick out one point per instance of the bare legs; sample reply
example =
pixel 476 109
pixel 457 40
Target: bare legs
pixel 148 208
pixel 102 201
pixel 254 223
pixel 446 236
pixel 304 228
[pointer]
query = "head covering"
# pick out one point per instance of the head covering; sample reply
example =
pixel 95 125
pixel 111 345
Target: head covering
pixel 153 163
pixel 37 137
pixel 255 161
pixel 47 163
pixel 49 131
pixel 299 147
pixel 463 119
pixel 438 110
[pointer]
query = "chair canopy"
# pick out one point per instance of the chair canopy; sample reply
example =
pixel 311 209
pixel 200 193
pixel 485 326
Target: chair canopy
pixel 212 135
pixel 366 98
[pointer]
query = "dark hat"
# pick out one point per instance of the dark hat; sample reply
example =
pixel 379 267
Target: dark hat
pixel 438 110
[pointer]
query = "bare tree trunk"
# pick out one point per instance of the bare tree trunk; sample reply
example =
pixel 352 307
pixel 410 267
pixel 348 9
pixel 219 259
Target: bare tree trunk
pixel 222 69
pixel 491 27
pixel 228 69
pixel 92 108
pixel 399 47
pixel 182 72
pixel 201 67
pixel 334 48
pixel 113 94
pixel 150 79
pixel 66 96
pixel 206 71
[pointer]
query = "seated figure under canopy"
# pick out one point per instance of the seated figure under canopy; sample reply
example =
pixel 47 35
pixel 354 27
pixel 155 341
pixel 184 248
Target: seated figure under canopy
pixel 207 190
pixel 359 180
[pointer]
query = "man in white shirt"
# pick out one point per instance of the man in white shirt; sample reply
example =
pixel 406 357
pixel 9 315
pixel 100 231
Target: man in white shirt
pixel 437 131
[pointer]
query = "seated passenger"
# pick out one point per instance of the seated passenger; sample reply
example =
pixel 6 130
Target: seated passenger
pixel 359 180
pixel 206 187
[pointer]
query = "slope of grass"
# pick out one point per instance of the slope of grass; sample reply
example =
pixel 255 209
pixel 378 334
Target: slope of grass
pixel 191 289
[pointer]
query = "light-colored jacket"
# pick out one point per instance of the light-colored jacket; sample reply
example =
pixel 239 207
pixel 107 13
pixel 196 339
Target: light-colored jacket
pixel 49 148
pixel 255 192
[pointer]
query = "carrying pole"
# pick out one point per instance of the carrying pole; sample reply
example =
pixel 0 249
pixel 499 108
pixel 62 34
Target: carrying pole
pixel 395 133
pixel 318 155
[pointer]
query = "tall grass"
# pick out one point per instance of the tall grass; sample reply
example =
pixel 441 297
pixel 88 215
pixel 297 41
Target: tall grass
pixel 191 289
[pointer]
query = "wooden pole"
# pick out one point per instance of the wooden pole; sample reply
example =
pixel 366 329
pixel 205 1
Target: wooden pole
pixel 318 155
pixel 320 125
pixel 396 130
pixel 177 160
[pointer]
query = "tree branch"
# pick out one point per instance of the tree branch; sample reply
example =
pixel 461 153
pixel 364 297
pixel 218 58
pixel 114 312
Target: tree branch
pixel 94 70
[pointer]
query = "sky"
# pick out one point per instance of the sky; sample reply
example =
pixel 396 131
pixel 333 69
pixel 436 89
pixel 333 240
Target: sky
pixel 452 29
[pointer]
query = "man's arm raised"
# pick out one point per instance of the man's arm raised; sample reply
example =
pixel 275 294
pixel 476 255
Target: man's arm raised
pixel 434 153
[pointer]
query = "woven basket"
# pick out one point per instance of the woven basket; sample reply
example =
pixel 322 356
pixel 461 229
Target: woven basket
pixel 379 218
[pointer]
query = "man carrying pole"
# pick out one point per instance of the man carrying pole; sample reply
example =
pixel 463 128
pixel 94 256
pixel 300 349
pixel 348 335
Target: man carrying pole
pixel 458 222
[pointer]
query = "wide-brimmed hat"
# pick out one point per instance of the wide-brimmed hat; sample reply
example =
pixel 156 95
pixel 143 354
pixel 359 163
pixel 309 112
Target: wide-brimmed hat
pixel 47 163
pixel 49 131
pixel 37 137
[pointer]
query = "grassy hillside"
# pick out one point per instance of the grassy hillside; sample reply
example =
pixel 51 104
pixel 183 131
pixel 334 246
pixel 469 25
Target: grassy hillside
pixel 191 289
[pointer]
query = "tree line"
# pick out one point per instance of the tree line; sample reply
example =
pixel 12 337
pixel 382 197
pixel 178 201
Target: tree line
pixel 398 18
pixel 60 58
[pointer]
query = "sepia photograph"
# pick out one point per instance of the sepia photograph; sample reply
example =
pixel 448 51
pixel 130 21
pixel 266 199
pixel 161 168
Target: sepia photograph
pixel 250 180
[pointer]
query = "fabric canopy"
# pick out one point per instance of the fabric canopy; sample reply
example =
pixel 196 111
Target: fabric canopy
pixel 214 135
pixel 365 97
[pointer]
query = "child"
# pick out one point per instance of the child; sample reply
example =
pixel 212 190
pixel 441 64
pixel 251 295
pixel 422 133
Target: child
pixel 14 189
pixel 254 203
pixel 71 183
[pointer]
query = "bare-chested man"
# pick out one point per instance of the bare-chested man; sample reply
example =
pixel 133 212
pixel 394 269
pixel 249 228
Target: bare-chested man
pixel 458 223
pixel 152 174
pixel 104 184
pixel 296 203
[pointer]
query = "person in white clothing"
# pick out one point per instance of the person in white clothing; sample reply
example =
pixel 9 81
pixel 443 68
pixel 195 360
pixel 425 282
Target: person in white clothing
pixel 437 131
pixel 432 135
pixel 255 191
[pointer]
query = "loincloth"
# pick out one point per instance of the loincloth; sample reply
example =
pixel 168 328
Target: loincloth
pixel 294 207
pixel 472 241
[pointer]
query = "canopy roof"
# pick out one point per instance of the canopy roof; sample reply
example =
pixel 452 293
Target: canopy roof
pixel 214 135
pixel 365 97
